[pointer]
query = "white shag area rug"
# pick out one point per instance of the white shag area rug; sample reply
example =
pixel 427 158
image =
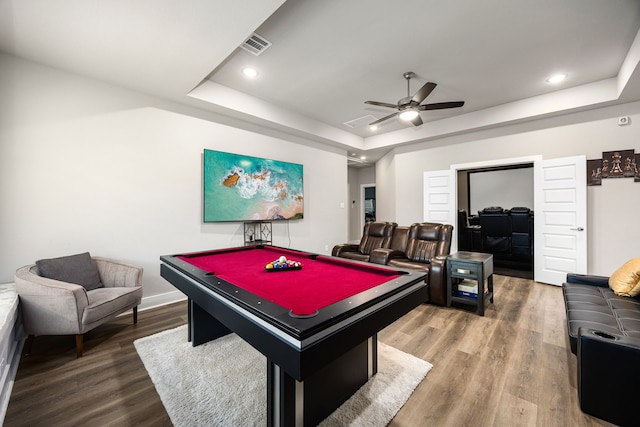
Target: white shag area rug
pixel 223 382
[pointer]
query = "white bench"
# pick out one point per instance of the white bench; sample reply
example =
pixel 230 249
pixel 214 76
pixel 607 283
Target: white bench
pixel 11 342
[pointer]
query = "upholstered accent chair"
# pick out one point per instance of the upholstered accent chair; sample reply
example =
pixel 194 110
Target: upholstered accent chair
pixel 62 307
pixel 375 235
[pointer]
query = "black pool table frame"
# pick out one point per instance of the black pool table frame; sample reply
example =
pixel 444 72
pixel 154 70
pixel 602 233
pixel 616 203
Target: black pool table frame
pixel 313 364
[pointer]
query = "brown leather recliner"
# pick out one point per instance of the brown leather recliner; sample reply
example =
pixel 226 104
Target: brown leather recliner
pixel 375 235
pixel 399 242
pixel 426 249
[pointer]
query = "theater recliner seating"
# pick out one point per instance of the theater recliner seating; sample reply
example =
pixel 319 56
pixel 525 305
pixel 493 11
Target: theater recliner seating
pixel 428 245
pixel 422 246
pixel 398 245
pixel 507 234
pixel 604 333
pixel 375 235
pixel 521 233
pixel 469 236
pixel 496 230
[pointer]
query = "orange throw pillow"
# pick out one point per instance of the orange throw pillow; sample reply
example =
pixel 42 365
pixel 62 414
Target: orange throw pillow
pixel 625 281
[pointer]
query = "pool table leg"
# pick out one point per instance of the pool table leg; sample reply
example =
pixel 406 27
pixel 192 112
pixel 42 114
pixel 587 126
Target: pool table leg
pixel 189 301
pixel 308 402
pixel 202 326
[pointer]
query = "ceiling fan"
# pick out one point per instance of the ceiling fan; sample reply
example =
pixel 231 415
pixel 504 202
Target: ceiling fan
pixel 409 107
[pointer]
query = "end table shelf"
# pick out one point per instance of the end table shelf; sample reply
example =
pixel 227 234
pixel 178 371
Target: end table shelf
pixel 257 233
pixel 473 267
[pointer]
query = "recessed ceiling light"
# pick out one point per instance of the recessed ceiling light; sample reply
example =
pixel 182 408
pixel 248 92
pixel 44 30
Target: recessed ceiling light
pixel 363 157
pixel 373 127
pixel 408 115
pixel 557 78
pixel 250 72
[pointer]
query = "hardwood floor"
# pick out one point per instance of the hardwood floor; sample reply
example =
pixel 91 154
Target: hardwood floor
pixel 512 367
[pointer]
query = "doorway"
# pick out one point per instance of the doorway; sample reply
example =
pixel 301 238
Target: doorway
pixel 502 262
pixel 495 215
pixel 560 207
pixel 367 204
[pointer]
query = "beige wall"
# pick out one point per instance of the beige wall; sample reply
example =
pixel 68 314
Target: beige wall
pixel 614 235
pixel 89 166
pixel 386 188
pixel 85 166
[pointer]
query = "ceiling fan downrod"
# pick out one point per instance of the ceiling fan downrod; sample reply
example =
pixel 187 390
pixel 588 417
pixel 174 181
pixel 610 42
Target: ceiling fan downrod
pixel 408 75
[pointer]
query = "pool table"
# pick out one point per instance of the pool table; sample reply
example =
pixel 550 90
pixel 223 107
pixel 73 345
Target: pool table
pixel 317 325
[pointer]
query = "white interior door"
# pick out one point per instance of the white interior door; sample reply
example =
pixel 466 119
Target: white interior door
pixel 438 195
pixel 560 221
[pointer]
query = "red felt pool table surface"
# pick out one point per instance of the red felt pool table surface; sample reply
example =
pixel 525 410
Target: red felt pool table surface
pixel 320 282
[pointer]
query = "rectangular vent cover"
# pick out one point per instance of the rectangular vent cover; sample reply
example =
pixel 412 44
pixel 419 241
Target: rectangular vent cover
pixel 255 44
pixel 360 121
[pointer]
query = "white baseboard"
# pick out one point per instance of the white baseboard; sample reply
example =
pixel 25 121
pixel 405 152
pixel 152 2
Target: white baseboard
pixel 154 301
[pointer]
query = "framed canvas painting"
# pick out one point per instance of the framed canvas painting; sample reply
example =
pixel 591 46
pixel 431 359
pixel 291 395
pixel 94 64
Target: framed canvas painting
pixel 617 164
pixel 245 188
pixel 594 172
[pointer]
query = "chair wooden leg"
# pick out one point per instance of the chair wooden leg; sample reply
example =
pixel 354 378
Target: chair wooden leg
pixel 28 344
pixel 135 315
pixel 79 345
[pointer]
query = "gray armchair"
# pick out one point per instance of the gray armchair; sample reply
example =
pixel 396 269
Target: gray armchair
pixel 55 307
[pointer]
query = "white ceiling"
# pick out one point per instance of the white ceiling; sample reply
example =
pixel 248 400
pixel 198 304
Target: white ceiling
pixel 330 56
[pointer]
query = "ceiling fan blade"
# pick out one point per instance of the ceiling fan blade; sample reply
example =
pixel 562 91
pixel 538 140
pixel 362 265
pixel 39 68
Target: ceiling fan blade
pixel 441 105
pixel 417 121
pixel 383 119
pixel 381 104
pixel 423 92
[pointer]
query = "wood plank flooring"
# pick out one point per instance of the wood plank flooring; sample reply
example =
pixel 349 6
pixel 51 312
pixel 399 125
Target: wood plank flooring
pixel 512 367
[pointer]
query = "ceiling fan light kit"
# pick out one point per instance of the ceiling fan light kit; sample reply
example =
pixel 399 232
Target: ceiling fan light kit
pixel 408 115
pixel 409 107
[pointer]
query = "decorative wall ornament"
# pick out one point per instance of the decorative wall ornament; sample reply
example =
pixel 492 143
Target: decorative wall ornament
pixel 594 172
pixel 614 164
pixel 618 164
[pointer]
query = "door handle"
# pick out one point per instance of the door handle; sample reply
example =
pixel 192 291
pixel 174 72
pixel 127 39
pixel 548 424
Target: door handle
pixel 577 229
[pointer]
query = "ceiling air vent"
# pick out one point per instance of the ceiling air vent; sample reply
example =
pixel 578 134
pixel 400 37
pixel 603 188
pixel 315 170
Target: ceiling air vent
pixel 360 121
pixel 255 44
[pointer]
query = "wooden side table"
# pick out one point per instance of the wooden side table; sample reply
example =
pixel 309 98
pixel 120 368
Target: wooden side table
pixel 475 267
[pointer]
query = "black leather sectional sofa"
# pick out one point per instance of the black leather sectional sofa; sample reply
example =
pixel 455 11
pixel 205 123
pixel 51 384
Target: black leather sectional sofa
pixel 604 333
